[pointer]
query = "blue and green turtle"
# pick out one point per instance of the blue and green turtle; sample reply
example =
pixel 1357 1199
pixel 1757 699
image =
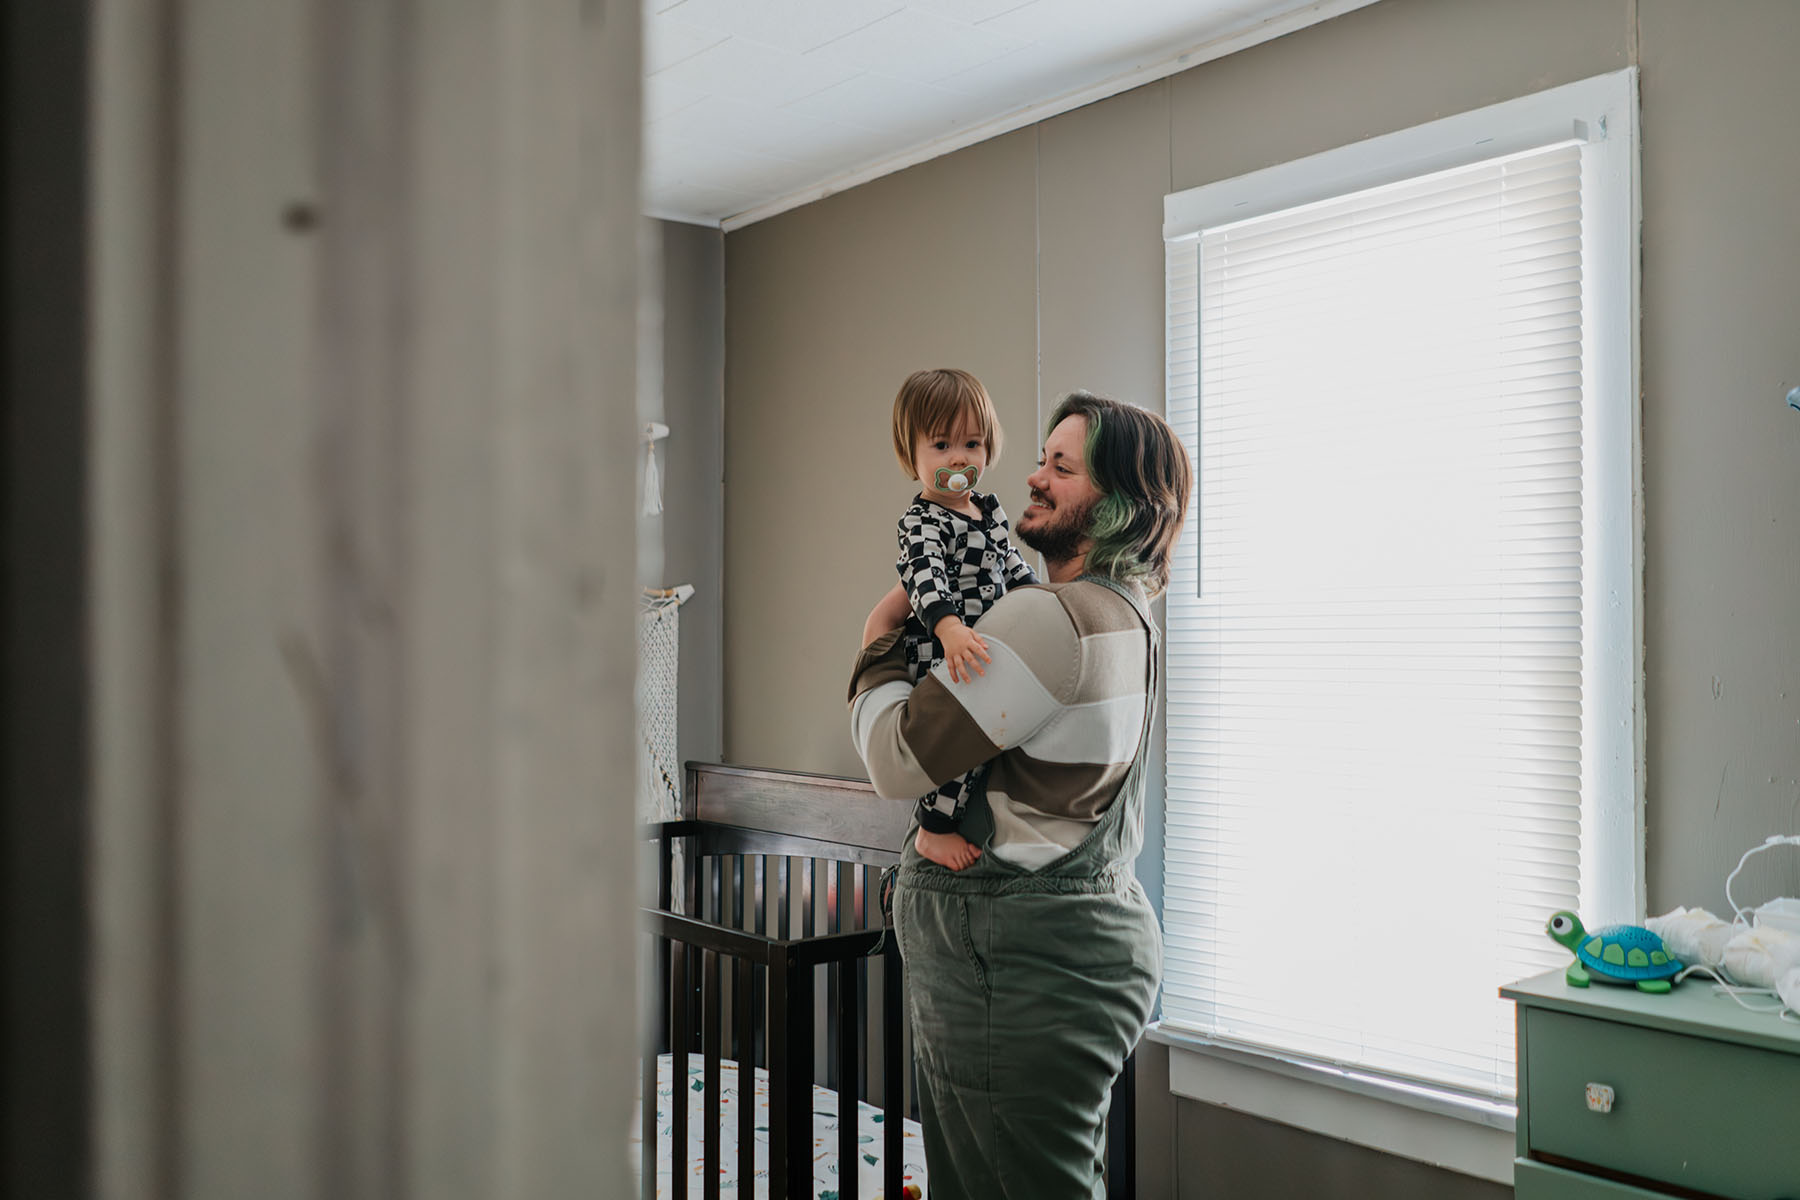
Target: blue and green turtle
pixel 1627 954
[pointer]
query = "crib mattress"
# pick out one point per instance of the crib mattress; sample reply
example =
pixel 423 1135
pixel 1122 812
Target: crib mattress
pixel 825 1136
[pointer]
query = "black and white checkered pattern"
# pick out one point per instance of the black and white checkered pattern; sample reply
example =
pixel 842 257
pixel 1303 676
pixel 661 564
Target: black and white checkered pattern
pixel 952 564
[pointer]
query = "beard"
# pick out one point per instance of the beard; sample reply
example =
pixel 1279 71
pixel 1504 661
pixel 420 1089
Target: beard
pixel 1059 538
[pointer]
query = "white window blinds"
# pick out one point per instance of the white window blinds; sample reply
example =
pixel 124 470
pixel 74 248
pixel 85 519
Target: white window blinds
pixel 1375 654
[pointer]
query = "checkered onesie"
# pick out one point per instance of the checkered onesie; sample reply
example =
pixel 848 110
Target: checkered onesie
pixel 948 564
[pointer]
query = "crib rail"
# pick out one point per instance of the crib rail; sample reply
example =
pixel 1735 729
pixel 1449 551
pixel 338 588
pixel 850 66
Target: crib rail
pixel 767 947
pixel 746 921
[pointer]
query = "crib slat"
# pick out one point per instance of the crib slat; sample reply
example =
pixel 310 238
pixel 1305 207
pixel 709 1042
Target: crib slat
pixel 833 990
pixel 893 1106
pixel 800 1083
pixel 731 917
pixel 647 1052
pixel 759 878
pixel 859 908
pixel 678 1047
pixel 690 878
pixel 807 872
pixel 710 1033
pixel 714 878
pixel 780 982
pixel 834 893
pixel 665 865
pixel 849 1149
pixel 758 1009
pixel 737 892
pixel 784 869
pixel 746 1164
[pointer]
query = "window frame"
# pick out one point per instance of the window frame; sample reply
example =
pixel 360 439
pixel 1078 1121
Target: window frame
pixel 1602 112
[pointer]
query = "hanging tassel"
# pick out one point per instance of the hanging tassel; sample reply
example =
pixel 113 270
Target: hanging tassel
pixel 653 432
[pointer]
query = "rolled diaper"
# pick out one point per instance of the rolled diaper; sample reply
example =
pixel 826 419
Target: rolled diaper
pixel 1760 957
pixel 1692 935
pixel 1788 988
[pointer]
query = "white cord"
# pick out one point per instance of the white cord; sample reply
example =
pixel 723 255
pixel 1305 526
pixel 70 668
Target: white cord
pixel 1724 987
pixel 1774 839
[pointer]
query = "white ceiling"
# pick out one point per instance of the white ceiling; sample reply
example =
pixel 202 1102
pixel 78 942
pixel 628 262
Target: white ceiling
pixel 756 106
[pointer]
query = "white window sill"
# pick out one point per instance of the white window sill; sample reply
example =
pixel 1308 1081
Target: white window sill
pixel 1442 1128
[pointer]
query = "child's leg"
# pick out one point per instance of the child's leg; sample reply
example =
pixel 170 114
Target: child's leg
pixel 922 650
pixel 939 814
pixel 951 850
pixel 937 840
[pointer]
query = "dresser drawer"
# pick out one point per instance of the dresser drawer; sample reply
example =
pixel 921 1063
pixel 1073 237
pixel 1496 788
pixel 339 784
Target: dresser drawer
pixel 1697 1113
pixel 1536 1181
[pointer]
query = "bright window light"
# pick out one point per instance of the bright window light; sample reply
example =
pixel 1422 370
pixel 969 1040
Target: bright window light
pixel 1386 669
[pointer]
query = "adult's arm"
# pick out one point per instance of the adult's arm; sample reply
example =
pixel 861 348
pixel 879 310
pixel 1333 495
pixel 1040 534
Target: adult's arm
pixel 890 612
pixel 913 739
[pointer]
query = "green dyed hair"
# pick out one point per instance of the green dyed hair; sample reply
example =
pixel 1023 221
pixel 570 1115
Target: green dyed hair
pixel 1144 478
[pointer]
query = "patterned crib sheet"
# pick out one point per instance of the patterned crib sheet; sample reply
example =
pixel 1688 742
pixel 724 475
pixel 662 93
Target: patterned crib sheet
pixel 825 1137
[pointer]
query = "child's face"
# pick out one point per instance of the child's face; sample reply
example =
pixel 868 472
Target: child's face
pixel 951 450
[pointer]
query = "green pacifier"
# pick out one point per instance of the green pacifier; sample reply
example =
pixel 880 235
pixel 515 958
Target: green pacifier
pixel 957 479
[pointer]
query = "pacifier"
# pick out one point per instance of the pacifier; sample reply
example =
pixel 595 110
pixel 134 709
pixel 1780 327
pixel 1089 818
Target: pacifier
pixel 957 479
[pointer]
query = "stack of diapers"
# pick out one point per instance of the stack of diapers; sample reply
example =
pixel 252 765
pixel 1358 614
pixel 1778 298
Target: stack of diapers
pixel 1758 951
pixel 1761 956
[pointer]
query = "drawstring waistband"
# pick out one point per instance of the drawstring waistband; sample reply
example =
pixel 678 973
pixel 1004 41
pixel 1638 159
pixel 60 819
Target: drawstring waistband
pixel 1114 878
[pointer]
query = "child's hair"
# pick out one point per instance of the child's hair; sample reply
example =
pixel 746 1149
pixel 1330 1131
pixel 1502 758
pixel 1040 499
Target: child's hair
pixel 932 402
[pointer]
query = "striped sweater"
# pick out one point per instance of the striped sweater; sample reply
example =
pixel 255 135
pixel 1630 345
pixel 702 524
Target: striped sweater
pixel 1059 711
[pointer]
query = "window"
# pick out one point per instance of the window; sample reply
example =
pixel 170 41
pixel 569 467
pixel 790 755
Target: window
pixel 1402 631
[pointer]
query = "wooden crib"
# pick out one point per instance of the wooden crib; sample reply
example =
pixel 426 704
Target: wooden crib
pixel 767 949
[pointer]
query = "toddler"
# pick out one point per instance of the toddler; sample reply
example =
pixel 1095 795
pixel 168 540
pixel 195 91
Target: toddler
pixel 956 559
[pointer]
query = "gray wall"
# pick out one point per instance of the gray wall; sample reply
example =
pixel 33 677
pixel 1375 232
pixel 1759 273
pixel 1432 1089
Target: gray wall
pixel 1034 259
pixel 692 354
pixel 827 309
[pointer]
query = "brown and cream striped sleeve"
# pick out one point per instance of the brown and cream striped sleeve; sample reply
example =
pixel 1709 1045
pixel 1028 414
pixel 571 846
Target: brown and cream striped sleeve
pixel 912 739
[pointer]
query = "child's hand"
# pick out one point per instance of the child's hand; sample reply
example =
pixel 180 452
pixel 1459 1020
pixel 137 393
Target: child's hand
pixel 964 649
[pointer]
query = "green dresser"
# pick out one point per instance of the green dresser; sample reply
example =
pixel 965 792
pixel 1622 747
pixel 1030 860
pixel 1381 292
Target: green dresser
pixel 1623 1094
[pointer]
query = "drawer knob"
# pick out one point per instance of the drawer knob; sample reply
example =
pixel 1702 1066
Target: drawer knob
pixel 1599 1098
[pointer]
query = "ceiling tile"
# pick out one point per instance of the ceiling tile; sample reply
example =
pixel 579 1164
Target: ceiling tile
pixel 971 12
pixel 792 25
pixel 806 135
pixel 714 165
pixel 668 40
pixel 920 46
pixel 754 74
pixel 898 106
pixel 1015 79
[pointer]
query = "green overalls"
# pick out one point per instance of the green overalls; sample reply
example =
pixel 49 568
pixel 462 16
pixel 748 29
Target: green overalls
pixel 1028 991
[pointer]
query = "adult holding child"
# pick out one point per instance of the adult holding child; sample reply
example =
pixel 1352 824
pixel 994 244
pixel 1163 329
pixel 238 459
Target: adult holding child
pixel 1033 970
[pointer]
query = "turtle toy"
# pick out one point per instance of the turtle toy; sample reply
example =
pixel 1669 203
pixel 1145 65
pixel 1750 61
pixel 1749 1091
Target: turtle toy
pixel 1625 954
